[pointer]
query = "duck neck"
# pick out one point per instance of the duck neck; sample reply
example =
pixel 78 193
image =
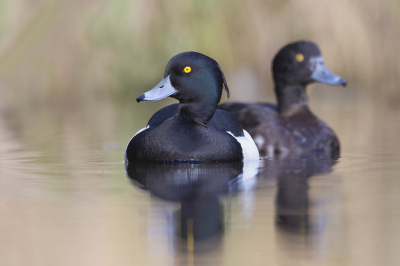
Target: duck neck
pixel 197 112
pixel 291 99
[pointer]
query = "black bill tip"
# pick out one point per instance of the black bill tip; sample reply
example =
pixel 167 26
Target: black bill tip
pixel 140 98
pixel 343 83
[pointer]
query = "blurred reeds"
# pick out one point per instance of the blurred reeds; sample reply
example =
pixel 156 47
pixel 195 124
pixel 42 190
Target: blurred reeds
pixel 66 51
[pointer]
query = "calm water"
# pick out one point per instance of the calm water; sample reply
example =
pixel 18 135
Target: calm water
pixel 65 198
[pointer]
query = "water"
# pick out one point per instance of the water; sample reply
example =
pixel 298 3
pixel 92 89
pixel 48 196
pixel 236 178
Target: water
pixel 65 198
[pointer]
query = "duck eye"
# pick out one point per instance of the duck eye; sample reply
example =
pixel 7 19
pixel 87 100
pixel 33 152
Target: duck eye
pixel 299 58
pixel 187 69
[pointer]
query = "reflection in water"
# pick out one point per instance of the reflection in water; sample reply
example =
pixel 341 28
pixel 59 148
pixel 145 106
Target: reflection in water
pixel 296 215
pixel 292 200
pixel 196 187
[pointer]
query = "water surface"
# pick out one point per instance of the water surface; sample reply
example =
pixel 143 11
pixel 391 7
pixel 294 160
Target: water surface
pixel 65 198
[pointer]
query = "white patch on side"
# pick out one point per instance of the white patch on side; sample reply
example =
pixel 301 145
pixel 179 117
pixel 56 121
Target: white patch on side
pixel 249 148
pixel 143 129
pixel 251 160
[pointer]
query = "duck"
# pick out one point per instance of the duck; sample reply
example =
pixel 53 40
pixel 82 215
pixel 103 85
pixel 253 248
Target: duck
pixel 290 127
pixel 193 130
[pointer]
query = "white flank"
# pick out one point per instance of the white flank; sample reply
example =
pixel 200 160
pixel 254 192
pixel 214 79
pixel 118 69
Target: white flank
pixel 249 148
pixel 251 160
pixel 143 129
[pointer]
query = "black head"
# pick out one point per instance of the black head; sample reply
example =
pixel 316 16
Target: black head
pixel 302 63
pixel 190 77
pixel 195 77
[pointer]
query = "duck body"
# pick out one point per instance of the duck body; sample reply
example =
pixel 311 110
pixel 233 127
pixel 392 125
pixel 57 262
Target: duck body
pixel 290 127
pixel 275 135
pixel 169 137
pixel 194 129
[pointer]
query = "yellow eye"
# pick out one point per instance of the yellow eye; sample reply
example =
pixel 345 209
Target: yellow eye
pixel 187 69
pixel 299 58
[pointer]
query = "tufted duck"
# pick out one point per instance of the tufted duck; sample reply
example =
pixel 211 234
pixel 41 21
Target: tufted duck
pixel 193 130
pixel 290 126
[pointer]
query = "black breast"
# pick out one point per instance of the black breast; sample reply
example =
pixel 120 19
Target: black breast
pixel 221 120
pixel 175 139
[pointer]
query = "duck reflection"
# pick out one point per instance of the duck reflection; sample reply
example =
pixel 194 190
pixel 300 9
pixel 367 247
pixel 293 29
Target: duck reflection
pixel 196 187
pixel 293 205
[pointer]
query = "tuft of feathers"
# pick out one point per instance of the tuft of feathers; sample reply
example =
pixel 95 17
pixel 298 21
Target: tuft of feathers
pixel 225 84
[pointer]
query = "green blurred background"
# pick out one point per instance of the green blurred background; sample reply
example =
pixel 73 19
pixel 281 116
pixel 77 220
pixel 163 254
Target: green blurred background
pixel 84 62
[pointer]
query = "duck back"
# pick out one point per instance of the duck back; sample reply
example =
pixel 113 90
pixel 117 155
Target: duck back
pixel 279 135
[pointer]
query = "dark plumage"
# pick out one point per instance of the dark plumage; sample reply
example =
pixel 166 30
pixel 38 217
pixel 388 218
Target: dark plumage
pixel 193 130
pixel 290 126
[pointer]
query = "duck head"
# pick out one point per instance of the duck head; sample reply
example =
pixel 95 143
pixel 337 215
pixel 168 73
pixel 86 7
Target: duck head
pixel 193 79
pixel 302 63
pixel 196 81
pixel 294 67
